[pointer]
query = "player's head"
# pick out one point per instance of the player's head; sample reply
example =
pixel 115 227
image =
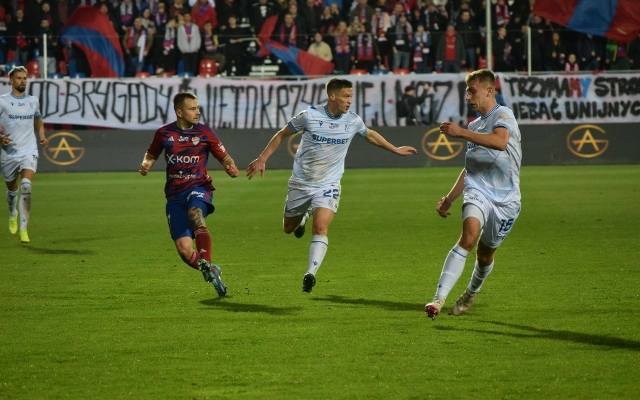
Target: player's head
pixel 18 78
pixel 481 90
pixel 187 108
pixel 339 94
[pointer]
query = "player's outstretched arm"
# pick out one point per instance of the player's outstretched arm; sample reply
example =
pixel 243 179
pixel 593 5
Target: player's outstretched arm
pixel 497 139
pixel 146 164
pixel 445 202
pixel 4 138
pixel 230 166
pixel 260 164
pixel 377 139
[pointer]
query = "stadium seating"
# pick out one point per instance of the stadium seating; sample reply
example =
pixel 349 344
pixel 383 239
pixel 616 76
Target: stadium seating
pixel 358 71
pixel 143 74
pixel 207 68
pixel 401 71
pixel 33 69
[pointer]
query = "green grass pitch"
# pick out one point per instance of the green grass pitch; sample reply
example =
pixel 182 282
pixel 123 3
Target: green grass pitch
pixel 99 306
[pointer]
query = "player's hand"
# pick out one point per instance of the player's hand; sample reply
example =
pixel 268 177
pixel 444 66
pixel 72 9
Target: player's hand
pixel 144 170
pixel 406 150
pixel 4 139
pixel 256 166
pixel 442 208
pixel 451 129
pixel 44 141
pixel 232 170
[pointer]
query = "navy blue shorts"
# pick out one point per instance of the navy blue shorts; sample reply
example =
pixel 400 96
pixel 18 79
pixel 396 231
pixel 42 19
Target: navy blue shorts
pixel 179 205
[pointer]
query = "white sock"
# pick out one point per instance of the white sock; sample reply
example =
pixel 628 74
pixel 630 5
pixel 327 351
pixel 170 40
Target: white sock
pixel 24 204
pixel 317 250
pixel 451 271
pixel 12 200
pixel 478 277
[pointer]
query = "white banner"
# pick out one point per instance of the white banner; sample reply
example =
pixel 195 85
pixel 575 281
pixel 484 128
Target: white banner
pixel 144 104
pixel 568 99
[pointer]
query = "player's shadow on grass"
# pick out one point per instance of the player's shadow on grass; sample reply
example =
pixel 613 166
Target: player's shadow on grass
pixel 225 304
pixel 71 252
pixel 561 335
pixel 384 304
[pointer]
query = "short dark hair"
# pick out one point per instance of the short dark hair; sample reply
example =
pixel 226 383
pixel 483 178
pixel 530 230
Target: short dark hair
pixel 481 75
pixel 336 84
pixel 178 99
pixel 17 68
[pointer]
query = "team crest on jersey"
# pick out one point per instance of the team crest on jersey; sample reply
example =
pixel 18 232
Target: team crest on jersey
pixel 195 140
pixel 333 126
pixel 321 122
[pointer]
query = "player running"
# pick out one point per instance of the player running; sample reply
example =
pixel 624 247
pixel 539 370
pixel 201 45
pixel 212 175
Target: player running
pixel 20 119
pixel 314 186
pixel 189 190
pixel 490 186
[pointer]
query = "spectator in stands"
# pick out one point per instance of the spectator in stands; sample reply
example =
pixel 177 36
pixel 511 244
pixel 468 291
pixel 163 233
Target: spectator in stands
pixel 127 13
pixel 409 104
pixel 161 17
pixel 634 53
pixel 379 26
pixel 501 13
pixel 203 12
pixel 320 48
pixel 589 52
pixel 400 37
pixel 211 46
pixel 502 51
pixel 178 9
pixel 167 63
pixel 260 11
pixel 450 54
pixel 52 47
pixel 288 33
pixel 556 53
pixel 227 8
pixel 417 17
pixel 135 45
pixel 616 56
pixel 366 52
pixel 310 15
pixel 19 38
pixel 342 48
pixel 471 37
pixel 572 64
pixel 234 37
pixel 189 42
pixel 147 18
pixel 363 13
pixel 421 51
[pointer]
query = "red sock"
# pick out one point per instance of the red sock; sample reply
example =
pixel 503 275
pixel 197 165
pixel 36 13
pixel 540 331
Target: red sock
pixel 192 261
pixel 203 243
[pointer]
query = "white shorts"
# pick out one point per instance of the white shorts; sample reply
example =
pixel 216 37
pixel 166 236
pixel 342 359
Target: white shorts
pixel 11 166
pixel 299 200
pixel 496 220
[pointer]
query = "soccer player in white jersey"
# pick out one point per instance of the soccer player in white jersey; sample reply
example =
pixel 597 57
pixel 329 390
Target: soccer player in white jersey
pixel 314 186
pixel 19 120
pixel 489 185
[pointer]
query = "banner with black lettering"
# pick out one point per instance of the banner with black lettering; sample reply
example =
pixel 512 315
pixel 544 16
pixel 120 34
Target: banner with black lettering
pixel 141 104
pixel 567 99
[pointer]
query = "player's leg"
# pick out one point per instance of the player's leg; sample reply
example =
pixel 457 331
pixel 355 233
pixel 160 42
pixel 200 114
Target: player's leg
pixel 184 246
pixel 10 169
pixel 296 207
pixel 181 233
pixel 24 203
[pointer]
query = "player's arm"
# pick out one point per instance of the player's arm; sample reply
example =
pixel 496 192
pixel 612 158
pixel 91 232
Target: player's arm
pixel 230 166
pixel 38 124
pixel 146 164
pixel 377 139
pixel 4 138
pixel 445 202
pixel 259 164
pixel 497 139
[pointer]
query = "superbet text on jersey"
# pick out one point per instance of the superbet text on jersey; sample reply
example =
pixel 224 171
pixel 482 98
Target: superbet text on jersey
pixel 186 152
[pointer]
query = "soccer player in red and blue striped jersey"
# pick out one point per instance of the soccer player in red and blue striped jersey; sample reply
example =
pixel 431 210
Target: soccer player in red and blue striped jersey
pixel 189 189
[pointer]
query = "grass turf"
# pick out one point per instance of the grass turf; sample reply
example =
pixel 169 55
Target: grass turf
pixel 99 305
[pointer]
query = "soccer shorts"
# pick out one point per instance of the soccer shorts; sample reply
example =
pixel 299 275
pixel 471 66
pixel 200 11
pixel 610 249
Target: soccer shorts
pixel 13 165
pixel 178 207
pixel 496 220
pixel 299 200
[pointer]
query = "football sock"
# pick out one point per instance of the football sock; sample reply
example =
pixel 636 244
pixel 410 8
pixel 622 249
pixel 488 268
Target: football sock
pixel 203 243
pixel 191 261
pixel 24 203
pixel 451 271
pixel 478 276
pixel 12 200
pixel 317 250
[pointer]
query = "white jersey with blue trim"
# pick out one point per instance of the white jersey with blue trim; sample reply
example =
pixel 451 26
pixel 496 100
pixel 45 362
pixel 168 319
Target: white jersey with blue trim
pixel 17 118
pixel 493 172
pixel 323 147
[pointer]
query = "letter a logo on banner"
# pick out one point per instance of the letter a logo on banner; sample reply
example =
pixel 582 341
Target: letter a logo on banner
pixel 60 151
pixel 587 141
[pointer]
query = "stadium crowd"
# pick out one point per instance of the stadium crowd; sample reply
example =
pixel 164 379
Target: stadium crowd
pixel 365 36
